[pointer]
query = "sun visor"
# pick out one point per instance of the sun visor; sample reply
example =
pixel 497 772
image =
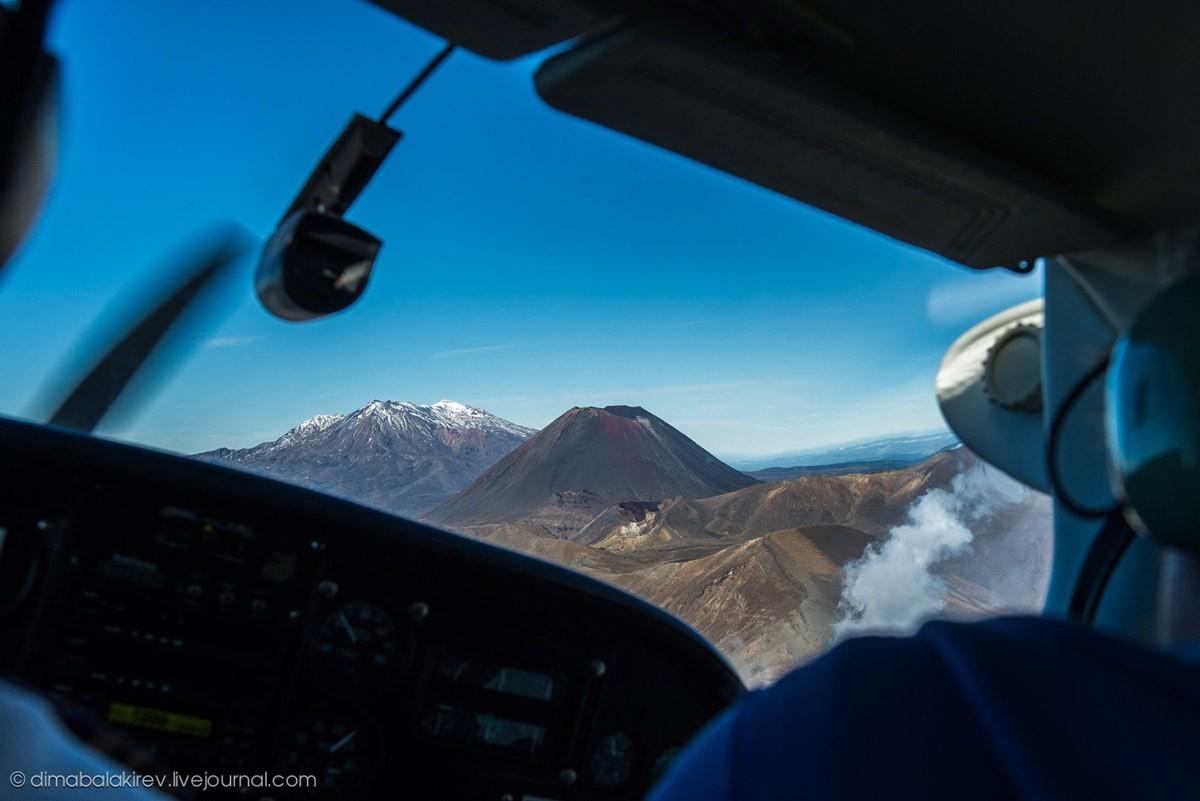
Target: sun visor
pixel 989 388
pixel 780 126
pixel 502 29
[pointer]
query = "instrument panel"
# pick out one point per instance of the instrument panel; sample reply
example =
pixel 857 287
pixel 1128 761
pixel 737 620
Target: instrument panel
pixel 235 625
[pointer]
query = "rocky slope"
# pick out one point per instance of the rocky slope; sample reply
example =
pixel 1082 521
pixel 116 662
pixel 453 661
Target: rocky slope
pixel 760 570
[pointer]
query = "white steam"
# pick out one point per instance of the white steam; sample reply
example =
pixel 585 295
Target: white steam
pixel 891 588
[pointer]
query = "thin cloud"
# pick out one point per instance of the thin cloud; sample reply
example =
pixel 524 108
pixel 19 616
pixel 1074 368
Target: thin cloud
pixel 229 342
pixel 736 424
pixel 974 297
pixel 449 354
pixel 633 394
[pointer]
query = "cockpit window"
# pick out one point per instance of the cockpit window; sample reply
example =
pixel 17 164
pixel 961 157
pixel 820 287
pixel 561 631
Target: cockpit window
pixel 573 344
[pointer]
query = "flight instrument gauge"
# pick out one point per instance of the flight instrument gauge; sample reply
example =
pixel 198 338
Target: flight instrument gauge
pixel 340 748
pixel 359 642
pixel 613 760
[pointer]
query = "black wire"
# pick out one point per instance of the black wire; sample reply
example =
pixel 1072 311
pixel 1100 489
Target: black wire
pixel 416 82
pixel 1056 426
pixel 1099 565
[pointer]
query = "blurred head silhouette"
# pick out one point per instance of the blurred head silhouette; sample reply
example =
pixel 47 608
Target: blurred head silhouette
pixel 28 126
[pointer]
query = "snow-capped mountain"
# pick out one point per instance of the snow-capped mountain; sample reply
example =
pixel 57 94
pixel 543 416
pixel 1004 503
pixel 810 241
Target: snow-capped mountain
pixel 307 428
pixel 402 457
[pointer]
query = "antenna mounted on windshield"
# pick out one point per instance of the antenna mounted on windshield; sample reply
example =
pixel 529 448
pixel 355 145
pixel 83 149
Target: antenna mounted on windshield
pixel 317 263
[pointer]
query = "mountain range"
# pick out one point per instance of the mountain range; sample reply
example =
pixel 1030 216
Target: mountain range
pixel 402 457
pixel 885 453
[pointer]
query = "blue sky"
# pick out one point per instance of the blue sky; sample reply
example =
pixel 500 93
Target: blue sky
pixel 532 262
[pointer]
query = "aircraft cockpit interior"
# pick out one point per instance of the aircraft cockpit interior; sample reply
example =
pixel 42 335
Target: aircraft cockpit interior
pixel 780 329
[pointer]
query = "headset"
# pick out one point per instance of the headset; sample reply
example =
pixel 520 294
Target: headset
pixel 1152 437
pixel 1152 417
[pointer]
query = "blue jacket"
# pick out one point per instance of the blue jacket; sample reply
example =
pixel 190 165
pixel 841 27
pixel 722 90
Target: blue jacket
pixel 1026 708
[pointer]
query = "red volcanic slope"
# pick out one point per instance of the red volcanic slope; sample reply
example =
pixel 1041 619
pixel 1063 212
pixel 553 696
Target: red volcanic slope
pixel 619 453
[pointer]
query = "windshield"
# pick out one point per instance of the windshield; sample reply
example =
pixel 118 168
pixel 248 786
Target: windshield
pixel 573 343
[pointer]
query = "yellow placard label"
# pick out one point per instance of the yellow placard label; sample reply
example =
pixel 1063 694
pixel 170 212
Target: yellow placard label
pixel 160 720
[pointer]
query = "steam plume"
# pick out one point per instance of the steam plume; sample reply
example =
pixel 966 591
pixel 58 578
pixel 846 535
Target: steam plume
pixel 892 588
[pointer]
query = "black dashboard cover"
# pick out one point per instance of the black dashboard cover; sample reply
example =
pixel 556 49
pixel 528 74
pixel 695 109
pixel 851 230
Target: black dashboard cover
pixel 770 121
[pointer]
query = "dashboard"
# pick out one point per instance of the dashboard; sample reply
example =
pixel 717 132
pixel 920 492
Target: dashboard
pixel 231 624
